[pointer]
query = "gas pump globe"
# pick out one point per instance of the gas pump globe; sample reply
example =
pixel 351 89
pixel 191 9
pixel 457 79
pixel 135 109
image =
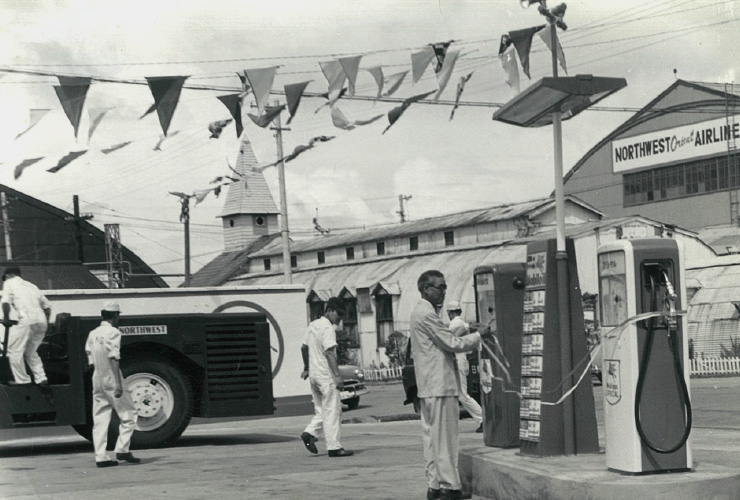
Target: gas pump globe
pixel 645 370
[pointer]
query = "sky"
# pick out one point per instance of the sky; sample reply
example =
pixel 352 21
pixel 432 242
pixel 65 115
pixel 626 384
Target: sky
pixel 355 180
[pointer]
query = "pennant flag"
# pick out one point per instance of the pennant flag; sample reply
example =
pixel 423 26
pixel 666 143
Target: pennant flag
pixel 71 92
pixel 444 74
pixel 261 80
pixel 460 88
pixel 350 67
pixel 341 121
pixel 395 113
pixel 245 86
pixel 22 165
pixel 201 194
pixel 522 40
pixel 508 62
pixel 546 35
pixel 158 146
pixel 271 113
pixel 298 150
pixel 326 96
pixel 35 116
pixel 115 147
pixel 395 82
pixel 440 51
pixel 166 92
pixel 215 128
pixel 69 158
pixel 233 103
pixel 96 115
pixel 336 76
pixel 377 72
pixel 420 60
pixel 293 94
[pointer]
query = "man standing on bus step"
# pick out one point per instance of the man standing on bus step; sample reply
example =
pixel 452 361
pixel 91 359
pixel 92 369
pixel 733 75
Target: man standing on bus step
pixel 33 312
pixel 433 345
pixel 103 348
pixel 458 327
pixel 319 351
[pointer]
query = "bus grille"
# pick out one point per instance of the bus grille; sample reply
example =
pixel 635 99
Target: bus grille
pixel 232 362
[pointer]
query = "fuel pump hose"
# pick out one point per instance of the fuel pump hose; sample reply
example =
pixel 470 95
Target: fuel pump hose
pixel 673 344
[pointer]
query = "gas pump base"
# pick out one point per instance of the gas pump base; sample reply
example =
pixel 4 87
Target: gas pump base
pixel 506 473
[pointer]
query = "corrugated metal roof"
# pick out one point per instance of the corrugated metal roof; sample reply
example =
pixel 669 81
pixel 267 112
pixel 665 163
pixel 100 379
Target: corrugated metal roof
pixel 228 264
pixel 460 219
pixel 57 276
pixel 252 195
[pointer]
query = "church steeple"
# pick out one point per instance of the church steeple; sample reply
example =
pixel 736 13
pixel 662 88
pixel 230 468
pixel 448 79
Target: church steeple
pixel 249 211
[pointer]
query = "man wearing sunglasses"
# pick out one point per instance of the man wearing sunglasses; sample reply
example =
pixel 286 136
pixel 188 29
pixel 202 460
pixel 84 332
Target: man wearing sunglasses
pixel 434 347
pixel 319 351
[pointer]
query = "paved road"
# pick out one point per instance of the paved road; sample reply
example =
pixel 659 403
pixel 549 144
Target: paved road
pixel 265 459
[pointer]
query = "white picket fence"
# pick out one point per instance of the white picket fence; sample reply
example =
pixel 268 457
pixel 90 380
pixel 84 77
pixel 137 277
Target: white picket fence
pixel 708 367
pixel 383 374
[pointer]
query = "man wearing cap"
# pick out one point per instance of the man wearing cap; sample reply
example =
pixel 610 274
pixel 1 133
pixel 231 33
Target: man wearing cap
pixel 458 327
pixel 433 346
pixel 33 312
pixel 319 351
pixel 103 348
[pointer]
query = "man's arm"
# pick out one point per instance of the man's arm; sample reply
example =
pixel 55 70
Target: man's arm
pixel 331 358
pixel 304 354
pixel 115 366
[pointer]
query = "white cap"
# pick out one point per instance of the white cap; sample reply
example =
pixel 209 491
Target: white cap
pixel 453 305
pixel 111 306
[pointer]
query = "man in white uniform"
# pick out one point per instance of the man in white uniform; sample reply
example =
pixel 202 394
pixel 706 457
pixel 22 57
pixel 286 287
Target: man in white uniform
pixel 103 348
pixel 458 327
pixel 319 351
pixel 32 311
pixel 433 346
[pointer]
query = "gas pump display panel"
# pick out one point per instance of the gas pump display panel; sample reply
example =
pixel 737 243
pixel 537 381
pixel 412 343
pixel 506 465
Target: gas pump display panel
pixel 613 288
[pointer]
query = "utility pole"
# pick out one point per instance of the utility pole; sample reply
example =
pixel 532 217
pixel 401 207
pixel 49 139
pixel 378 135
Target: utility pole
pixel 6 226
pixel 78 218
pixel 284 231
pixel 401 211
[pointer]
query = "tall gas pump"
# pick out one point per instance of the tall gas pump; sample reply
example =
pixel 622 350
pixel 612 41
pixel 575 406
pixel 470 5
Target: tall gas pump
pixel 647 407
pixel 499 299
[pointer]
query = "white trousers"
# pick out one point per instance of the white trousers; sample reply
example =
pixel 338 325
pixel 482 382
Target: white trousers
pixel 439 417
pixel 23 341
pixel 103 404
pixel 466 399
pixel 327 413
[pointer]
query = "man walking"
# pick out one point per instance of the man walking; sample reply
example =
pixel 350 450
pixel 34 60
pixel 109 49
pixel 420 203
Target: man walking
pixel 319 351
pixel 103 348
pixel 33 312
pixel 433 346
pixel 458 327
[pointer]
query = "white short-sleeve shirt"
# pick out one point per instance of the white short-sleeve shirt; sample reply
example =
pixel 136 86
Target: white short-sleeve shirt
pixel 27 300
pixel 320 337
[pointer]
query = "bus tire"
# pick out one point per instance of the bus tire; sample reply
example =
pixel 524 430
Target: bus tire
pixel 164 399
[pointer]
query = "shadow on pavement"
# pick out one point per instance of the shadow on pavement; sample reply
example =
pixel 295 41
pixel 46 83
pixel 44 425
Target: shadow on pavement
pixel 46 449
pixel 245 439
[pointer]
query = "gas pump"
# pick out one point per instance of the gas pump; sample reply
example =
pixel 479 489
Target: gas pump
pixel 499 299
pixel 647 406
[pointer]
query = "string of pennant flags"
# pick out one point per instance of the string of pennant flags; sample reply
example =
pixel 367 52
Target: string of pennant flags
pixel 341 77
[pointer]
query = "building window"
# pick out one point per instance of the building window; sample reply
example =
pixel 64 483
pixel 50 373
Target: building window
pixel 231 222
pixel 413 243
pixel 350 253
pixel 321 257
pixel 267 264
pixel 383 317
pixel 381 248
pixel 449 238
pixel 315 309
pixel 350 322
pixel 293 261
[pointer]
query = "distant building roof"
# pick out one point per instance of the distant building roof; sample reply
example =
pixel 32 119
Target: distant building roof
pixel 228 264
pixel 56 276
pixel 250 195
pixel 722 239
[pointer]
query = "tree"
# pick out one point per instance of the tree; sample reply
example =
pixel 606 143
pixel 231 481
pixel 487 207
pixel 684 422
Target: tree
pixel 395 348
pixel 733 351
pixel 345 353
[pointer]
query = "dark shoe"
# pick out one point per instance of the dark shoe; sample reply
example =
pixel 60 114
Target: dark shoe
pixel 453 495
pixel 106 463
pixel 45 383
pixel 432 494
pixel 480 428
pixel 341 452
pixel 310 441
pixel 128 457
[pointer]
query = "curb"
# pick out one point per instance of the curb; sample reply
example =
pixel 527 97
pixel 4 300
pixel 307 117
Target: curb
pixel 384 418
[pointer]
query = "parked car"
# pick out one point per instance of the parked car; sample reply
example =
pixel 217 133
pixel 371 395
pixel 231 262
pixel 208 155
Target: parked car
pixel 409 378
pixel 354 385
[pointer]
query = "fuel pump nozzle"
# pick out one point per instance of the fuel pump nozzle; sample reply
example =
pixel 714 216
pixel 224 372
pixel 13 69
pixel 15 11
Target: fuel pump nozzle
pixel 670 304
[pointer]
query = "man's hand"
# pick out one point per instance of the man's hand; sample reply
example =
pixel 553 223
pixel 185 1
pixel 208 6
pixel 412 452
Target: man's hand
pixel 304 374
pixel 118 392
pixel 485 331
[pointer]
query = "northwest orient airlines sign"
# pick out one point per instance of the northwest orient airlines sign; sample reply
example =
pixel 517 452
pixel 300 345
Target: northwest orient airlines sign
pixel 680 143
pixel 143 330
